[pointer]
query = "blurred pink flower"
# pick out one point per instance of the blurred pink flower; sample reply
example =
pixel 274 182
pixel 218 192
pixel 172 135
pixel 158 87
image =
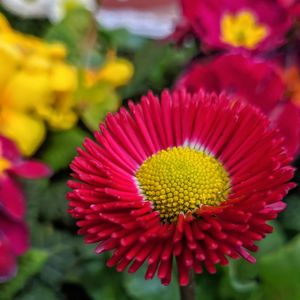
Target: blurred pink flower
pixel 12 165
pixel 244 24
pixel 14 239
pixel 257 82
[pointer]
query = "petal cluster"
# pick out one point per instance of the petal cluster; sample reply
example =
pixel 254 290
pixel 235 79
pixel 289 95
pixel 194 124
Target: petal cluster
pixel 253 80
pixel 14 237
pixel 114 214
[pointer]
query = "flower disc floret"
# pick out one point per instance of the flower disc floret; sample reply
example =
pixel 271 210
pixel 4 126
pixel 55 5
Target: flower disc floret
pixel 181 179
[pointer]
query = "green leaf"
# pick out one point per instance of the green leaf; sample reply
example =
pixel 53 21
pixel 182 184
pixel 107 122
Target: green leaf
pixel 29 265
pixel 36 27
pixel 72 31
pixel 139 288
pixel 95 103
pixel 62 248
pixel 290 217
pixel 54 205
pixel 39 291
pixel 240 278
pixel 60 147
pixel 280 272
pixel 156 65
pixel 121 39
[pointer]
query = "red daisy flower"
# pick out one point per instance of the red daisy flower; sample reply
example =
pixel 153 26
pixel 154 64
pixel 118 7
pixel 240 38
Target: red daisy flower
pixel 195 177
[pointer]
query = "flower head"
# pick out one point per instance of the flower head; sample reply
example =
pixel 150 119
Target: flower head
pixel 195 177
pixel 226 24
pixel 14 237
pixel 252 80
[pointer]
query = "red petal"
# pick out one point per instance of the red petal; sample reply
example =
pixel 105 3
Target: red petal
pixel 288 122
pixel 8 149
pixel 32 169
pixel 16 233
pixel 8 263
pixel 11 197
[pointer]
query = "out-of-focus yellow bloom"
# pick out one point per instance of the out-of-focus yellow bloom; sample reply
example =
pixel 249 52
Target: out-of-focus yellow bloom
pixel 38 88
pixel 115 71
pixel 28 131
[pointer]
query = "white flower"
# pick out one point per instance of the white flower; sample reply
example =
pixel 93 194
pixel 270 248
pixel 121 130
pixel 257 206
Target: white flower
pixel 156 22
pixel 58 8
pixel 54 10
pixel 27 8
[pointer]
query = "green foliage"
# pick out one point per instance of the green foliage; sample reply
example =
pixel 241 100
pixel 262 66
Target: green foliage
pixel 37 290
pixel 56 153
pixel 280 272
pixel 96 102
pixel 36 27
pixel 29 265
pixel 156 65
pixel 121 39
pixel 72 31
pixel 152 289
pixel 290 217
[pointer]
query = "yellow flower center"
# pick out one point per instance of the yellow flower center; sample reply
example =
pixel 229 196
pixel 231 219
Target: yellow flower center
pixel 242 30
pixel 181 179
pixel 4 165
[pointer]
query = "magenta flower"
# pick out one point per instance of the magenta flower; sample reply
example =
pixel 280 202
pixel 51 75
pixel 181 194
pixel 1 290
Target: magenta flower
pixel 13 231
pixel 254 81
pixel 244 24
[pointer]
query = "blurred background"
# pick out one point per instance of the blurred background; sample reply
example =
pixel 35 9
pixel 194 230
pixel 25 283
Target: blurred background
pixel 77 61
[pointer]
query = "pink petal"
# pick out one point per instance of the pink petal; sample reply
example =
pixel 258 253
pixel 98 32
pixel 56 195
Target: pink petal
pixel 16 233
pixel 8 149
pixel 8 263
pixel 31 169
pixel 287 119
pixel 11 197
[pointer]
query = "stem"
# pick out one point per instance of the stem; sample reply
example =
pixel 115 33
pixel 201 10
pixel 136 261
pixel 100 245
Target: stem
pixel 189 292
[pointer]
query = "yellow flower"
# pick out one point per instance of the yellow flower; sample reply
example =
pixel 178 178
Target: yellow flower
pixel 115 71
pixel 27 131
pixel 97 93
pixel 37 86
pixel 242 30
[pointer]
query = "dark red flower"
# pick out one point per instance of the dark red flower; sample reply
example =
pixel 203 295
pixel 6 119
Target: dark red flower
pixel 195 177
pixel 252 80
pixel 12 165
pixel 227 24
pixel 14 238
pixel 14 241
